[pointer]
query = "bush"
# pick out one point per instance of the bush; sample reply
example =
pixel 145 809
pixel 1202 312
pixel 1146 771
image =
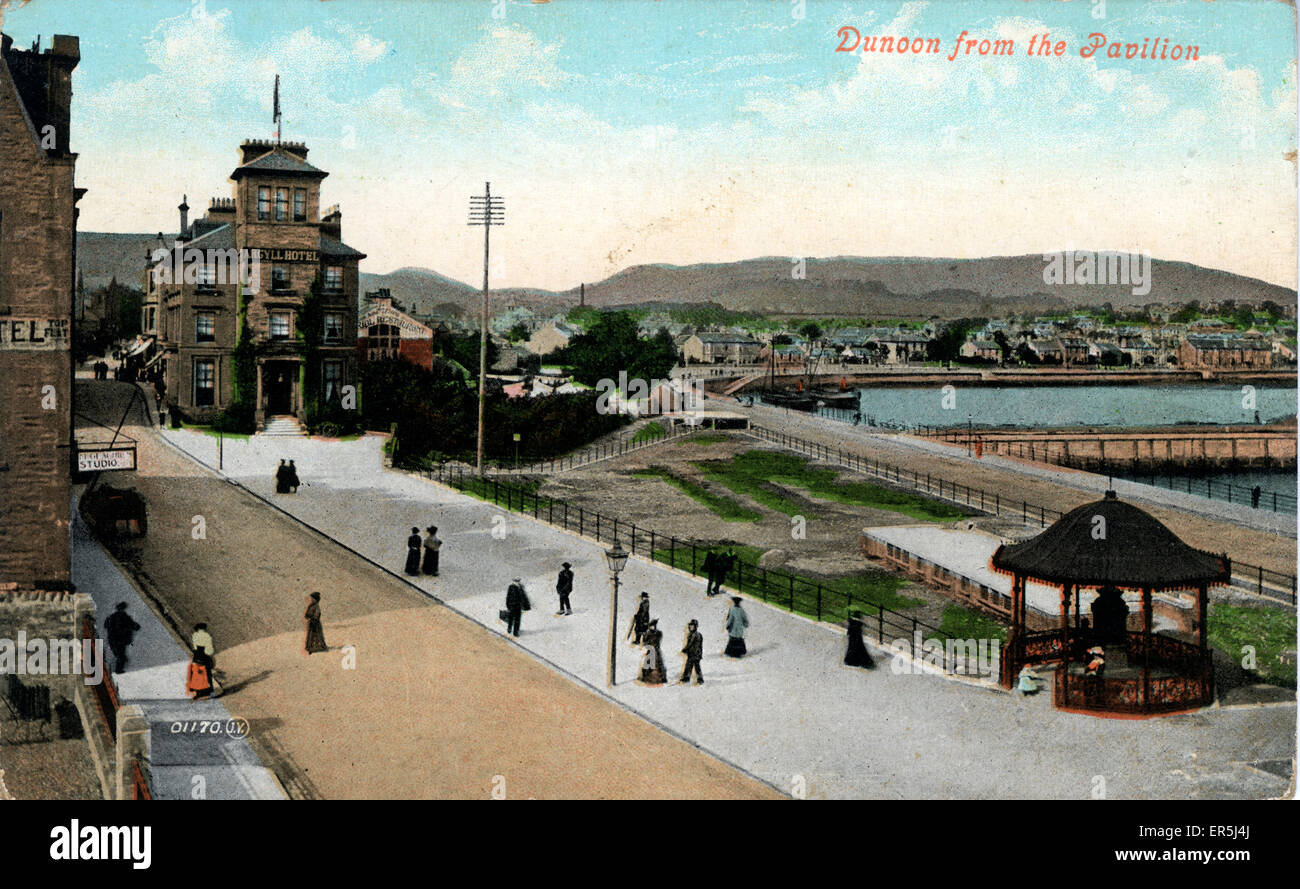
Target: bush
pixel 238 418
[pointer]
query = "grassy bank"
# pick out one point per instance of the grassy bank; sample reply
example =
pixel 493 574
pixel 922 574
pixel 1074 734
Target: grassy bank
pixel 1268 630
pixel 751 472
pixel 723 507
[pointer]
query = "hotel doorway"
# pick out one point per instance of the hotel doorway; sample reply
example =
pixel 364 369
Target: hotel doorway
pixel 279 380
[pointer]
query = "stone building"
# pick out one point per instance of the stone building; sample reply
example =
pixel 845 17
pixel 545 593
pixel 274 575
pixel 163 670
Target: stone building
pixel 1219 350
pixel 252 260
pixel 38 229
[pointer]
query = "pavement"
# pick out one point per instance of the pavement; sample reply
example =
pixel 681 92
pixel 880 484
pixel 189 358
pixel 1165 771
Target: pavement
pixel 790 713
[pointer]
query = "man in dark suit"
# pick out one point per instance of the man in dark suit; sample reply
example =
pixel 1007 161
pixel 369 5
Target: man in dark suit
pixel 516 604
pixel 694 651
pixel 564 586
pixel 120 630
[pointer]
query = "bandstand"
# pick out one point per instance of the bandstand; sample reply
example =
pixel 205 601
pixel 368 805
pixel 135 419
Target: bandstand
pixel 1110 546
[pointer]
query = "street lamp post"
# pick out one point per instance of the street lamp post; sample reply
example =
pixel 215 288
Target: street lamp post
pixel 616 556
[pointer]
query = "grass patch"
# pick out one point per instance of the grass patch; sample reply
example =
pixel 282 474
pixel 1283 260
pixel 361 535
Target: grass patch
pixel 649 432
pixel 960 622
pixel 710 438
pixel 1268 630
pixel 723 507
pixel 747 474
pixel 208 430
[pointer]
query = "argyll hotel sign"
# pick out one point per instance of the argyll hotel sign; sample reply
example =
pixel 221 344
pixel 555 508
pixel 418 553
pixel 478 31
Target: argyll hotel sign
pixel 281 254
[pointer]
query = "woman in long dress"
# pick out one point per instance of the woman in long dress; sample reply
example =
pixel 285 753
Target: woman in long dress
pixel 857 654
pixel 315 632
pixel 653 671
pixel 737 623
pixel 413 546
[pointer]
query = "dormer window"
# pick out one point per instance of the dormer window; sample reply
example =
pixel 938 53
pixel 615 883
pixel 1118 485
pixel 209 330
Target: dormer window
pixel 264 203
pixel 281 204
pixel 300 205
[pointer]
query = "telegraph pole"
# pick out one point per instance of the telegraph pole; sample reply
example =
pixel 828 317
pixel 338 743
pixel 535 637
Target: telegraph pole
pixel 486 211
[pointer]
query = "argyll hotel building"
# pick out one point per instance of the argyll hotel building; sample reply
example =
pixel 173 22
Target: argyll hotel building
pixel 274 222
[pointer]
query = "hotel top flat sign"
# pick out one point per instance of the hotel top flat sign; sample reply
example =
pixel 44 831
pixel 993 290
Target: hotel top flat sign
pixel 281 254
pixel 34 334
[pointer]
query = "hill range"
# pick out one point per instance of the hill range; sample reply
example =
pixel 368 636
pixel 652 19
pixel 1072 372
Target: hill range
pixel 887 287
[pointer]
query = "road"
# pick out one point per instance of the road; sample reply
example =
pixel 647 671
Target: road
pixel 412 700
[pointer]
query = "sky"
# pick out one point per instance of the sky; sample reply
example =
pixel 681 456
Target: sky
pixel 623 132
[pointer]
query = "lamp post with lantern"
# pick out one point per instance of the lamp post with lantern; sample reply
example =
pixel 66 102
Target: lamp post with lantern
pixel 616 556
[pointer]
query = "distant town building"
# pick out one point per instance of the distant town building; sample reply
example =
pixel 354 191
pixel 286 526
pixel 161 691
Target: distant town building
pixel 272 225
pixel 1225 351
pixel 386 332
pixel 980 350
pixel 710 347
pixel 550 337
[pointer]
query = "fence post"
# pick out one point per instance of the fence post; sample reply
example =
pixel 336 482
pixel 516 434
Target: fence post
pixel 652 544
pixel 819 602
pixel 672 551
pixel 880 625
pixel 580 521
pixel 598 527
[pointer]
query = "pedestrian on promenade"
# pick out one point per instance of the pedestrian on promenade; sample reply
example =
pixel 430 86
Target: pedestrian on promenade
pixel 516 604
pixel 694 651
pixel 710 571
pixel 431 547
pixel 563 587
pixel 413 546
pixel 203 667
pixel 1027 683
pixel 315 632
pixel 120 630
pixel 282 479
pixel 652 664
pixel 737 623
pixel 292 478
pixel 857 654
pixel 640 620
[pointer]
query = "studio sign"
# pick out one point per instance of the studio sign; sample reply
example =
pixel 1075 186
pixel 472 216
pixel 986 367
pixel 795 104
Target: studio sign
pixel 33 334
pixel 282 254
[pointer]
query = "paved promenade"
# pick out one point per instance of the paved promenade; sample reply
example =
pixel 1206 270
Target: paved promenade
pixel 790 713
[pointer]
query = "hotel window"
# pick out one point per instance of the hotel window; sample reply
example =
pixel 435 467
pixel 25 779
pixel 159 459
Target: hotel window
pixel 206 275
pixel 281 204
pixel 279 278
pixel 279 325
pixel 333 379
pixel 205 382
pixel 333 327
pixel 333 278
pixel 205 327
pixel 264 203
pixel 299 205
pixel 382 341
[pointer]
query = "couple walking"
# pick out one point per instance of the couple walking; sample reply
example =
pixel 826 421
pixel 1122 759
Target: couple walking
pixel 286 478
pixel 430 545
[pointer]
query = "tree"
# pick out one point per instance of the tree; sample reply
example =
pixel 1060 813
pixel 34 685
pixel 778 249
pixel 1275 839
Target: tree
pixel 811 331
pixel 518 333
pixel 613 345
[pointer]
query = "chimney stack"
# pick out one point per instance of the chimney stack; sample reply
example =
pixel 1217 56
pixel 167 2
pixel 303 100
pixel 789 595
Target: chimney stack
pixel 582 294
pixel 185 214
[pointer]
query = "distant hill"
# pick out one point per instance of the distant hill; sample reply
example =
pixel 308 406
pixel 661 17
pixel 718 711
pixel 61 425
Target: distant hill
pixel 887 287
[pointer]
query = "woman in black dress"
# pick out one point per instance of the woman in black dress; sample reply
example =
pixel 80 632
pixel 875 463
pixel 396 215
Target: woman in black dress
pixel 315 632
pixel 652 664
pixel 857 654
pixel 413 546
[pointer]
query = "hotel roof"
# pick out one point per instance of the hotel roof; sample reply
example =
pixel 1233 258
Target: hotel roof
pixel 281 162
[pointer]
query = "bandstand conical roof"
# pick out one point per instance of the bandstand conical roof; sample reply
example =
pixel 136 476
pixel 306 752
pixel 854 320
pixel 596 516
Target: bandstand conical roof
pixel 1137 551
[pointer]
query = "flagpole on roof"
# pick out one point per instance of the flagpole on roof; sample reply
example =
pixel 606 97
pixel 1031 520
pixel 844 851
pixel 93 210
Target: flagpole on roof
pixel 275 113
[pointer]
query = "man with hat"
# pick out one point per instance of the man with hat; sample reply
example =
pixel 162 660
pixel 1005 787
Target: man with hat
pixel 564 586
pixel 640 620
pixel 121 629
pixel 516 604
pixel 694 651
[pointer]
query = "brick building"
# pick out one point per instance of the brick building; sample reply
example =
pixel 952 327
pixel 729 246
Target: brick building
pixel 254 256
pixel 38 229
pixel 387 332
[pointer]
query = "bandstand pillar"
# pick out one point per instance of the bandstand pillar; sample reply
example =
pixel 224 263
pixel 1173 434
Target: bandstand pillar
pixel 1146 647
pixel 1202 608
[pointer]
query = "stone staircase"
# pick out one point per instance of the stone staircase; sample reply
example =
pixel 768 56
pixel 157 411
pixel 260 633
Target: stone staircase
pixel 283 425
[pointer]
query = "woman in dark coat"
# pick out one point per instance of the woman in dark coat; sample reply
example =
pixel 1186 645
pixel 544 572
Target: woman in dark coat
pixel 315 632
pixel 413 546
pixel 282 479
pixel 857 654
pixel 652 665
